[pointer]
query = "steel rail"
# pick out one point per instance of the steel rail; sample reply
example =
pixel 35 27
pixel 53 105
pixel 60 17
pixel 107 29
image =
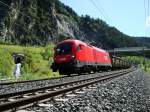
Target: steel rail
pixel 51 87
pixel 25 81
pixel 36 98
pixel 36 80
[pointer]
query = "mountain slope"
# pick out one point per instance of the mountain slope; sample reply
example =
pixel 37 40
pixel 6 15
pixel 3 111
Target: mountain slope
pixel 37 22
pixel 143 41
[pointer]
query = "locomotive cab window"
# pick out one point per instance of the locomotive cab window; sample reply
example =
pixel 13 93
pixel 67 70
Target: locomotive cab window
pixel 64 48
pixel 80 47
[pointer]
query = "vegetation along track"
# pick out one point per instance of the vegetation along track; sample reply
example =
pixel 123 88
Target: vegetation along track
pixel 20 99
pixel 28 81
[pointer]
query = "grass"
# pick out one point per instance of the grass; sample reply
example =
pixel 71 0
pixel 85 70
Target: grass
pixel 141 62
pixel 21 49
pixel 36 64
pixel 38 60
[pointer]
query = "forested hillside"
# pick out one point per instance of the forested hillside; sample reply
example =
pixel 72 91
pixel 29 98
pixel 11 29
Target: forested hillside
pixel 38 22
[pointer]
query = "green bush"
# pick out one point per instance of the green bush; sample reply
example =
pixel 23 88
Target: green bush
pixel 48 52
pixel 36 63
pixel 27 62
pixel 140 61
pixel 6 63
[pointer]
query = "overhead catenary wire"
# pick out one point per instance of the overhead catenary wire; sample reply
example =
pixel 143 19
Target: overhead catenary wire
pixel 12 24
pixel 12 8
pixel 103 10
pixel 99 10
pixel 18 12
pixel 4 4
pixel 146 16
pixel 148 9
pixel 144 10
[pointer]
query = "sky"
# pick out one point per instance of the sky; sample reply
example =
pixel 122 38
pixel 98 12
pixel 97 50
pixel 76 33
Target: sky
pixel 129 16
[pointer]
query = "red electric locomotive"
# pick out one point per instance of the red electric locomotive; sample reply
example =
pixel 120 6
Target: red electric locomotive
pixel 74 56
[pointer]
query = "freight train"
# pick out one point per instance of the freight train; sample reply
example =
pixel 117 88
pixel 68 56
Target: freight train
pixel 76 57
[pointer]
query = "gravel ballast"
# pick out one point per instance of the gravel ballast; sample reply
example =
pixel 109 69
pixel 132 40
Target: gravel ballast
pixel 129 93
pixel 4 89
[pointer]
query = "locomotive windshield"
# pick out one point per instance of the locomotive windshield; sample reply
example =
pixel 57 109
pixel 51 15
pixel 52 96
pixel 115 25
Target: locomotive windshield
pixel 65 48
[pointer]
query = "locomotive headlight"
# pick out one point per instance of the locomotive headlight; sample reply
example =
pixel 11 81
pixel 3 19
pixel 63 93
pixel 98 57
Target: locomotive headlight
pixel 73 56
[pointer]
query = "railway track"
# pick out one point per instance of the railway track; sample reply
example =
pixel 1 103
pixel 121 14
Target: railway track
pixel 26 81
pixel 22 99
pixel 37 80
pixel 14 87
